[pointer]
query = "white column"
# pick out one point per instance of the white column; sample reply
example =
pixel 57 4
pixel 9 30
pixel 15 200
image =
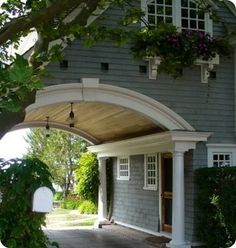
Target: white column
pixel 178 211
pixel 102 191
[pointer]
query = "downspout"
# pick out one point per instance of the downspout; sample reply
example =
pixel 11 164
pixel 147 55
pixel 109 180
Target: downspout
pixel 234 45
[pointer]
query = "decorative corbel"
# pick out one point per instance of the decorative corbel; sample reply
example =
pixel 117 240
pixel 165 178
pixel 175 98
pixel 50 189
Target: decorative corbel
pixel 207 66
pixel 154 62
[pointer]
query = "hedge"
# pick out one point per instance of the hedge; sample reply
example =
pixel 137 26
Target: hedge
pixel 216 202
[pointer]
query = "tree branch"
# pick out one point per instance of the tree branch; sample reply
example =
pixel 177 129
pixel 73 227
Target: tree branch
pixel 36 19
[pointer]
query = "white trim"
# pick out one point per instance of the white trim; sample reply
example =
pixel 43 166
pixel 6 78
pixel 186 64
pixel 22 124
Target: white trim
pixel 119 177
pixel 221 148
pixel 91 91
pixel 177 15
pixel 154 186
pixel 160 142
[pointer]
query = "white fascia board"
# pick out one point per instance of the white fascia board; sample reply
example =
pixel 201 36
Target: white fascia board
pixel 160 142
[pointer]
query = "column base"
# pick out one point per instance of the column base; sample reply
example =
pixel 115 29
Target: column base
pixel 100 222
pixel 183 245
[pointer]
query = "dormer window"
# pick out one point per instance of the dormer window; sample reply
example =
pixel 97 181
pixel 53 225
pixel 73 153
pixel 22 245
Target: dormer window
pixel 184 14
pixel 191 17
pixel 159 11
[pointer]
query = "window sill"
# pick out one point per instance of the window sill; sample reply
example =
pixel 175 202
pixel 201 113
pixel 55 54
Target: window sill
pixel 150 188
pixel 122 179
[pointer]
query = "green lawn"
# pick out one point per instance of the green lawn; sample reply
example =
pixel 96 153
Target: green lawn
pixel 60 218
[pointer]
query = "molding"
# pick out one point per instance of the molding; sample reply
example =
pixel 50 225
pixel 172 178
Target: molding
pixel 230 6
pixel 34 124
pixel 217 145
pixel 90 90
pixel 169 141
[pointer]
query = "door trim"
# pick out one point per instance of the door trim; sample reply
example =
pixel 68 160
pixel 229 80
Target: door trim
pixel 167 195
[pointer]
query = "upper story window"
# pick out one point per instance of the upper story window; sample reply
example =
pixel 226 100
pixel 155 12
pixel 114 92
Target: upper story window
pixel 191 17
pixel 123 168
pixel 159 11
pixel 185 14
pixel 220 155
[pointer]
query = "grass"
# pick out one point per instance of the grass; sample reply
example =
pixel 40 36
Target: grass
pixel 60 218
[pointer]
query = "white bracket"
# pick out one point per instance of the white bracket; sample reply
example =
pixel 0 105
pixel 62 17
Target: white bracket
pixel 154 62
pixel 207 66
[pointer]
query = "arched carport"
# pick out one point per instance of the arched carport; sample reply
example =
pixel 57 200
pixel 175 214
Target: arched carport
pixel 116 121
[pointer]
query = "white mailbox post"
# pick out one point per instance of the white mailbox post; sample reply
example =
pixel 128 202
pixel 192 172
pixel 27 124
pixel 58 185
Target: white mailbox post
pixel 42 200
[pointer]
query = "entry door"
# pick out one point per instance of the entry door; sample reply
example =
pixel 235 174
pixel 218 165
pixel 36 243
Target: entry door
pixel 166 196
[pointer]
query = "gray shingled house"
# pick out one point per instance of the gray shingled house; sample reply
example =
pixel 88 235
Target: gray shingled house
pixel 154 130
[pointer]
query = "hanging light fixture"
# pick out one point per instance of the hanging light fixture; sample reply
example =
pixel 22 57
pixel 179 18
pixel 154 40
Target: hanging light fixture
pixel 71 118
pixel 47 128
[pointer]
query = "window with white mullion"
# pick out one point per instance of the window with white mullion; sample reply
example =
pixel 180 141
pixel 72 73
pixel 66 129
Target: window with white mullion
pixel 159 11
pixel 222 159
pixel 123 168
pixel 191 17
pixel 150 172
pixel 184 14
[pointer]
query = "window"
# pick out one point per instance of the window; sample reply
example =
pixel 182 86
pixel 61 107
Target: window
pixel 185 14
pixel 123 168
pixel 159 11
pixel 150 172
pixel 222 159
pixel 220 155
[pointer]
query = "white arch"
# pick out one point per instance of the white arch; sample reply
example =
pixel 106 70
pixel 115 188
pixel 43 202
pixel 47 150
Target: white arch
pixel 91 91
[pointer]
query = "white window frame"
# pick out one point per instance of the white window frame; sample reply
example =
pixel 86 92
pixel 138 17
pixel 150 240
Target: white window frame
pixel 119 176
pixel 146 185
pixel 176 16
pixel 221 149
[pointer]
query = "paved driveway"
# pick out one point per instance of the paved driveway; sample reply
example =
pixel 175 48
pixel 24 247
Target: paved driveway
pixel 96 238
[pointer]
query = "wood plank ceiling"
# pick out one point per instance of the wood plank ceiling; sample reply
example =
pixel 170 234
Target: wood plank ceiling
pixel 105 122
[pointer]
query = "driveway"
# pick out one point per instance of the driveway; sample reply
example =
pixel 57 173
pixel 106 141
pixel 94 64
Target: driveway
pixel 107 237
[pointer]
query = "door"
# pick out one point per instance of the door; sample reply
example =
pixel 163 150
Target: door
pixel 166 195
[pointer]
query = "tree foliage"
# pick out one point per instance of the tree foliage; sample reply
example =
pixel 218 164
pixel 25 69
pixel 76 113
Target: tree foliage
pixel 60 152
pixel 20 227
pixel 87 177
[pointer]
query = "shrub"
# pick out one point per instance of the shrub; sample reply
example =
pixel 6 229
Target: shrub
pixel 20 227
pixel 87 177
pixel 72 201
pixel 87 207
pixel 216 201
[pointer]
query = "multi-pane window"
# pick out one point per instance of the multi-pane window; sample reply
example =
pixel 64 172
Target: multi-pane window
pixel 159 11
pixel 150 171
pixel 222 159
pixel 191 17
pixel 220 155
pixel 123 168
pixel 185 14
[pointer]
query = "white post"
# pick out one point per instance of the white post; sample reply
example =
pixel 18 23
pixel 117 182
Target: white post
pixel 102 192
pixel 178 211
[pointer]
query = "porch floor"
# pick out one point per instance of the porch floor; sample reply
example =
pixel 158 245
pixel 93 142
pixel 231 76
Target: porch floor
pixel 110 236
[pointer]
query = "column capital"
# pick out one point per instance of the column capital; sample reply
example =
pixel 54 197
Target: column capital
pixel 183 146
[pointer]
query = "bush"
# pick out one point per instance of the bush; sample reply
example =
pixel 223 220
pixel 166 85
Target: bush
pixel 87 207
pixel 71 202
pixel 58 196
pixel 216 201
pixel 20 227
pixel 87 177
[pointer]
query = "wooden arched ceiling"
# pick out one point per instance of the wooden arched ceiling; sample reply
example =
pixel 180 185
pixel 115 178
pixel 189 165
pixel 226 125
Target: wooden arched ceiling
pixel 104 122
